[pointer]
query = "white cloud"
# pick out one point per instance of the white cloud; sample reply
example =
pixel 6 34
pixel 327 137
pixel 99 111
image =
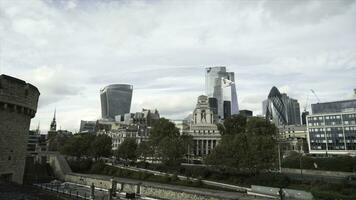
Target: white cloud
pixel 71 49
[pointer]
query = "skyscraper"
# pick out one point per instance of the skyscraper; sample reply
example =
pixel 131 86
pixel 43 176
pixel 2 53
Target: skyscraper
pixel 220 84
pixel 281 109
pixel 115 100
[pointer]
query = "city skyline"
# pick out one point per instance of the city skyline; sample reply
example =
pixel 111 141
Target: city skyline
pixel 164 55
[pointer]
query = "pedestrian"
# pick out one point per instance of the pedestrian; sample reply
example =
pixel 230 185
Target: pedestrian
pixel 281 194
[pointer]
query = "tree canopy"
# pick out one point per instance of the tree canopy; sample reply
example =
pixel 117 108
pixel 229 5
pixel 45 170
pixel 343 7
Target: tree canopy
pixel 167 143
pixel 127 149
pixel 248 144
pixel 88 145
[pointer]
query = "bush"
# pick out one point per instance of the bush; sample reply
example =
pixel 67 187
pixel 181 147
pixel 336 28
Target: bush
pixel 339 163
pixel 81 166
pixel 331 195
pixel 97 167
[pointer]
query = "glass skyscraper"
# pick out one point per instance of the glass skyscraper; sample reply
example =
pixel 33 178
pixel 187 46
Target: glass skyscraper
pixel 115 100
pixel 281 109
pixel 215 88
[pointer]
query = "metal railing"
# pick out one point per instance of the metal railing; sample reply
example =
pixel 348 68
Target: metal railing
pixel 65 192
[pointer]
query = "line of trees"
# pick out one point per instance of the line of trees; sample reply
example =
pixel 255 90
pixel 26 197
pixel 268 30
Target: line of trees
pixel 247 144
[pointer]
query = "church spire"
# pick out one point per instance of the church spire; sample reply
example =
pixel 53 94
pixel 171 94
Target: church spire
pixel 53 126
pixel 38 128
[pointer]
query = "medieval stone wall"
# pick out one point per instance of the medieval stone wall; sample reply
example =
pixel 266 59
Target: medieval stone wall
pixel 18 104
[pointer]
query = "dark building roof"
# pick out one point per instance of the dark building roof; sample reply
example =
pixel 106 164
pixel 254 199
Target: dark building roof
pixel 334 107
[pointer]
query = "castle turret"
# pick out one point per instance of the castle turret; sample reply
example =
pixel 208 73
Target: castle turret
pixel 18 104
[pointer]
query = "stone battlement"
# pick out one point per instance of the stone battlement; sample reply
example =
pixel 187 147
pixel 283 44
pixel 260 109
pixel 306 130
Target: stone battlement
pixel 16 94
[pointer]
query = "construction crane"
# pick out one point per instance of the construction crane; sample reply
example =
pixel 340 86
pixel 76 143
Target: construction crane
pixel 306 103
pixel 315 95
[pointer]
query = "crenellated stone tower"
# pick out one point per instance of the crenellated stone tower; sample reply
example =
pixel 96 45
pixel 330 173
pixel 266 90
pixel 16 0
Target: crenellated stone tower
pixel 18 104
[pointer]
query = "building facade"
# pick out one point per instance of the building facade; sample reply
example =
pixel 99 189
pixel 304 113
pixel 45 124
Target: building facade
pixel 332 133
pixel 246 113
pixel 130 125
pixel 220 85
pixel 36 143
pixel 182 125
pixel 293 138
pixel 115 100
pixel 281 109
pixel 87 126
pixel 204 131
pixel 18 104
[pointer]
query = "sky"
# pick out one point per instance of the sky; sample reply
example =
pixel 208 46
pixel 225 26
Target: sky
pixel 71 49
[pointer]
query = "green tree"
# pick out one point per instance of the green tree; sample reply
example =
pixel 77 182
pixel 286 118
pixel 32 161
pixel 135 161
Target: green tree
pixel 167 143
pixel 78 145
pixel 247 144
pixel 144 150
pixel 127 149
pixel 101 146
pixel 56 141
pixel 233 125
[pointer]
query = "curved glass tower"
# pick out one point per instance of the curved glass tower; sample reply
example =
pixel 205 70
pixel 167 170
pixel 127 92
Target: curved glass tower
pixel 115 100
pixel 281 109
pixel 275 108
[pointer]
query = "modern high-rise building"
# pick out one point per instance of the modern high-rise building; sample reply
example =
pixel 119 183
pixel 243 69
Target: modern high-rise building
pixel 332 133
pixel 115 100
pixel 332 128
pixel 220 84
pixel 281 109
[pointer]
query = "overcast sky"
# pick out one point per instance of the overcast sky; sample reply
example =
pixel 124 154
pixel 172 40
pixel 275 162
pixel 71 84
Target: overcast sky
pixel 71 49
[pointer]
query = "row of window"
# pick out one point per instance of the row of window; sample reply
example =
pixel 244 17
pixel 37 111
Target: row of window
pixel 204 131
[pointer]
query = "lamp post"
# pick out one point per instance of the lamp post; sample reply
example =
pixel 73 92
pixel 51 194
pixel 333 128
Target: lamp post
pixel 300 160
pixel 279 158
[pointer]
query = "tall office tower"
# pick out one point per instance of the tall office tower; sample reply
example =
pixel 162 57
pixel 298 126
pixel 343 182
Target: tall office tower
pixel 281 109
pixel 213 104
pixel 115 100
pixel 292 109
pixel 220 84
pixel 18 104
pixel 304 117
pixel 227 109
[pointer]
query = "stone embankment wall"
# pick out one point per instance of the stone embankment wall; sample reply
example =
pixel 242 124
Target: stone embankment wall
pixel 58 164
pixel 161 191
pixel 18 104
